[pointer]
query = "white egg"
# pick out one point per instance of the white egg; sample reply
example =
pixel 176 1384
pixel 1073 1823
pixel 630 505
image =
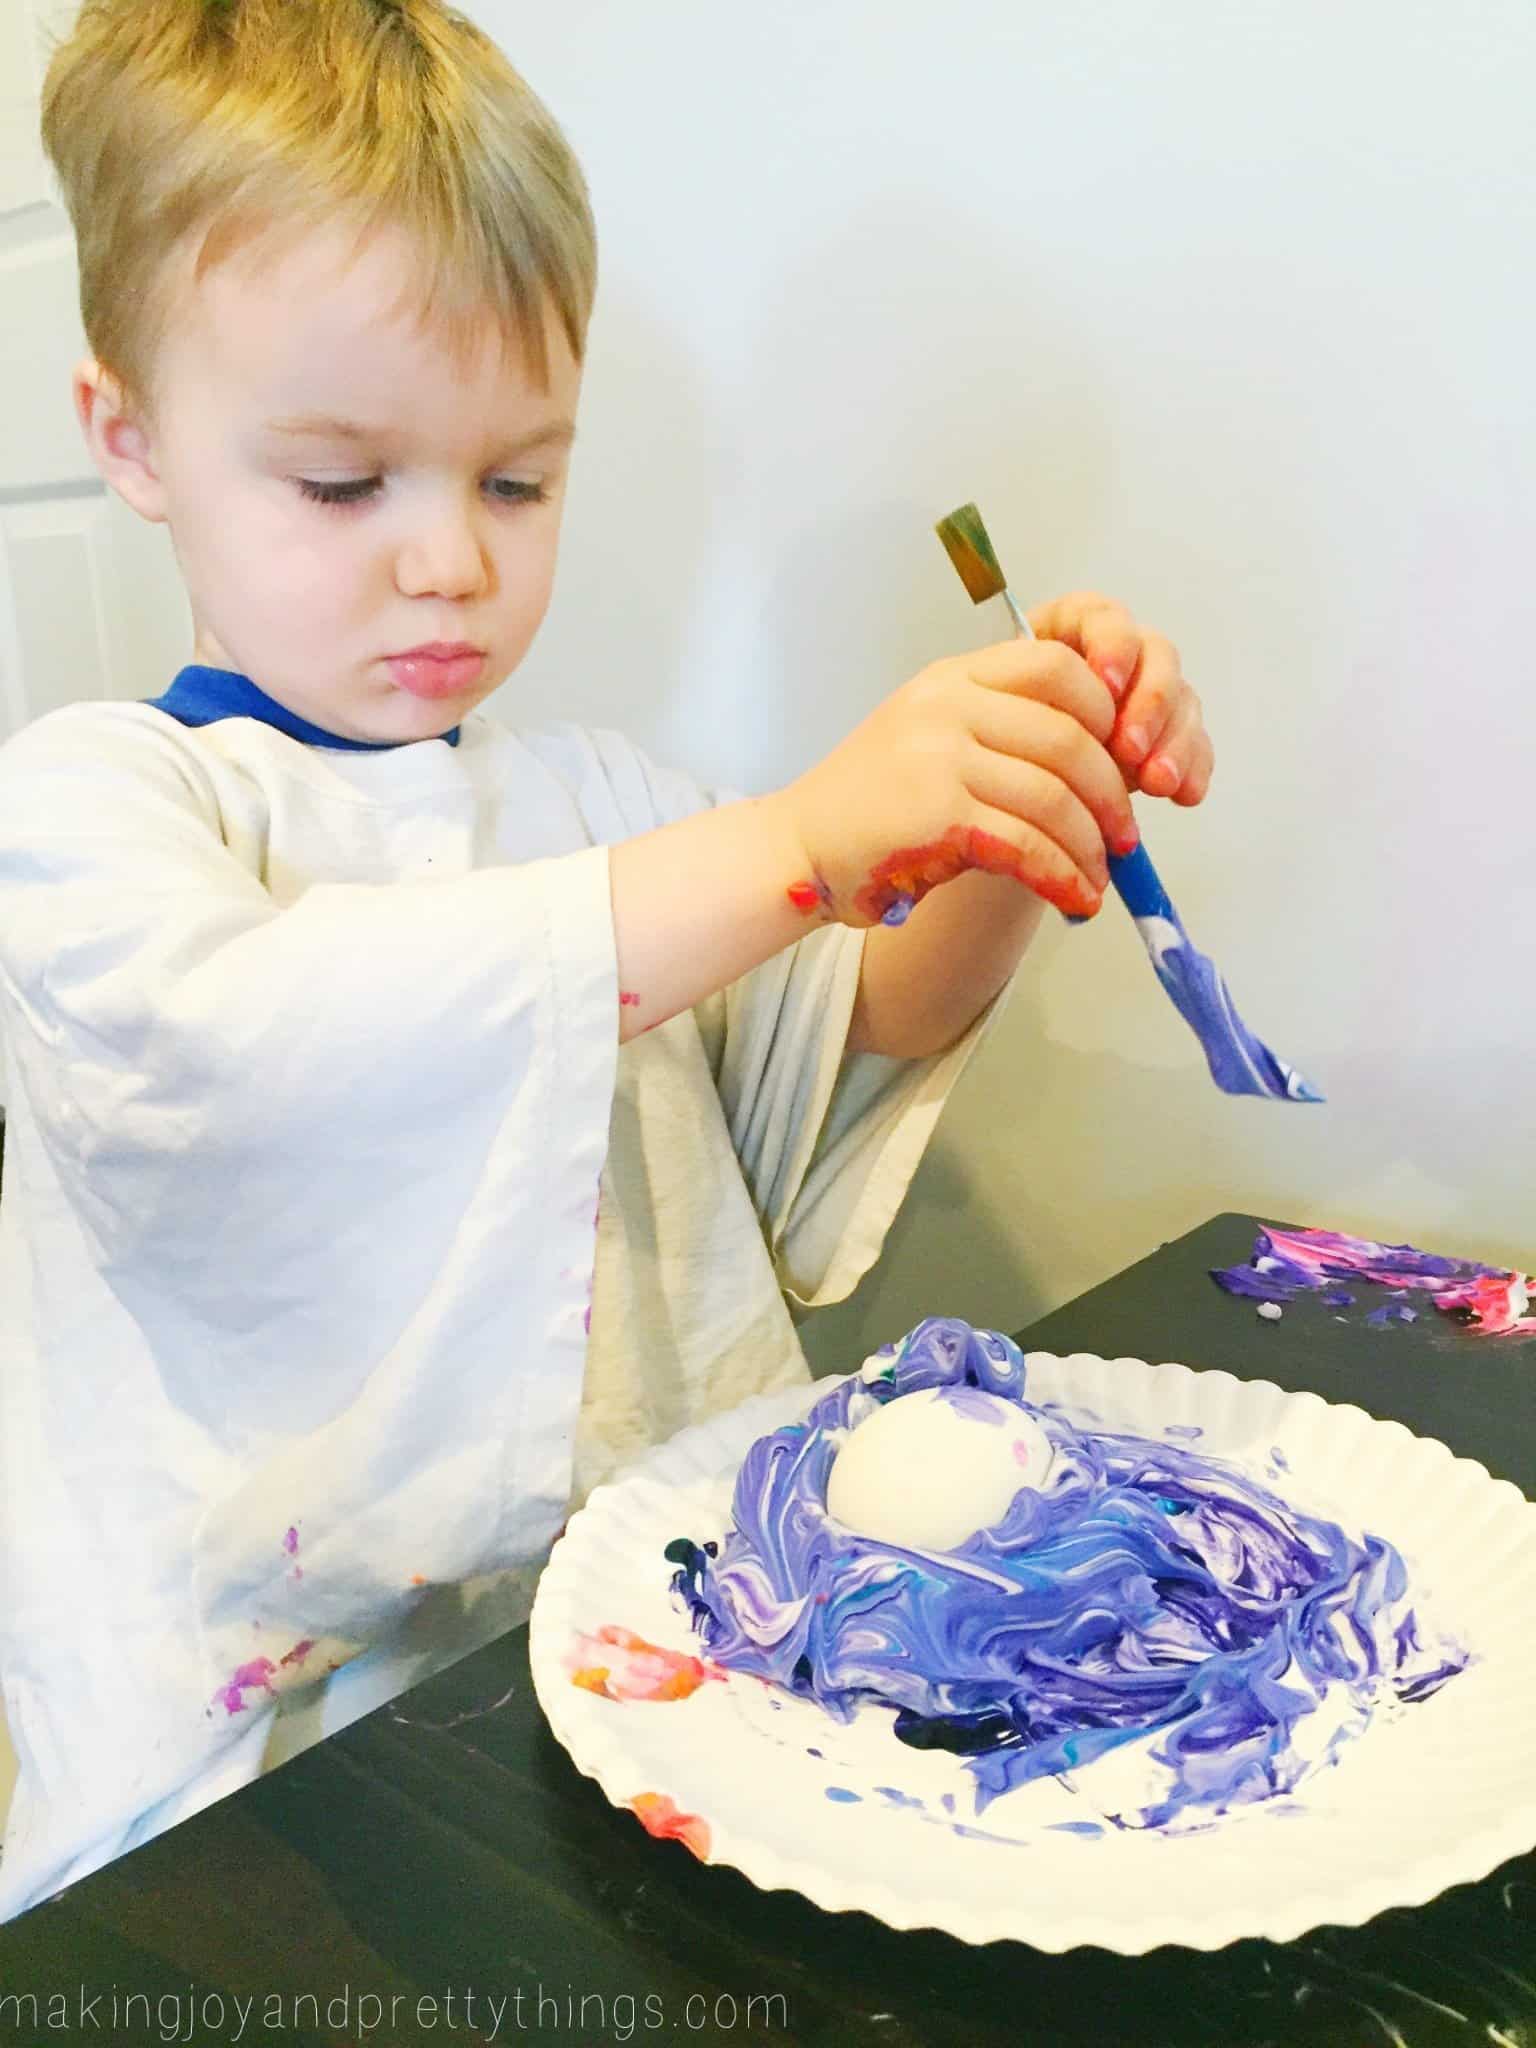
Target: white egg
pixel 928 1470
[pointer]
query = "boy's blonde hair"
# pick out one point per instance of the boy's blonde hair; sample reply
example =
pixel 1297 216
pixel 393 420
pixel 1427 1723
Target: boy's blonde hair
pixel 201 123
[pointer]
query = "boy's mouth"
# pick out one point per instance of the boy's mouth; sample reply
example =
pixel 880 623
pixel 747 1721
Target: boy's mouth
pixel 443 668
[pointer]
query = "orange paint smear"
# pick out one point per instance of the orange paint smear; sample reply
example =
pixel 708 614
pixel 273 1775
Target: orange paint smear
pixel 660 1817
pixel 619 1665
pixel 913 870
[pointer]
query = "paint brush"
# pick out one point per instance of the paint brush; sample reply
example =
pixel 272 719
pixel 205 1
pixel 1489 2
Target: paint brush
pixel 1240 1064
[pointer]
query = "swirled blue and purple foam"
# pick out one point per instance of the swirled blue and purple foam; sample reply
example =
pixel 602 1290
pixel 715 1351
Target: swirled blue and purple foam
pixel 1145 1594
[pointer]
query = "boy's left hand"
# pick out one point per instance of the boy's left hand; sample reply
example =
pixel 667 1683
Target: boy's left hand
pixel 1159 741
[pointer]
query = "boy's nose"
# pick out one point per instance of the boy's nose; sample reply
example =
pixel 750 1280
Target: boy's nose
pixel 443 559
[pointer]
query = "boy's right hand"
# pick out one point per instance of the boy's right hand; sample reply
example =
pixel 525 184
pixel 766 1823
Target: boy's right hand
pixel 994 760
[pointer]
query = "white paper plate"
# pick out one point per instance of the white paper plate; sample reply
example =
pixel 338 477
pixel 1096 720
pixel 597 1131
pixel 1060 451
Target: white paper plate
pixel 1437 1795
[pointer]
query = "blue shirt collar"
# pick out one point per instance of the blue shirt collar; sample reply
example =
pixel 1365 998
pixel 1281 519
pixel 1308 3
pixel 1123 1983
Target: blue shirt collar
pixel 203 696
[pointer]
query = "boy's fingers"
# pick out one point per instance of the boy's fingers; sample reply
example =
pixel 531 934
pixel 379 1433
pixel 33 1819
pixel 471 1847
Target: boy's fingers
pixel 1036 797
pixel 1149 703
pixel 1022 729
pixel 1006 845
pixel 1098 628
pixel 1049 673
pixel 1192 790
pixel 1173 752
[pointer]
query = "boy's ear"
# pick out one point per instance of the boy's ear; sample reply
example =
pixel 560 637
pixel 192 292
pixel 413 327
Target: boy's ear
pixel 119 439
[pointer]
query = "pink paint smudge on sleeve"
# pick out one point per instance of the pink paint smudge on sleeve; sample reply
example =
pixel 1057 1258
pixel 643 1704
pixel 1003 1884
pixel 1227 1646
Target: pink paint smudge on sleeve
pixel 251 1677
pixel 256 1675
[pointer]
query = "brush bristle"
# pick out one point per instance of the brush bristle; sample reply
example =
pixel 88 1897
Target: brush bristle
pixel 966 543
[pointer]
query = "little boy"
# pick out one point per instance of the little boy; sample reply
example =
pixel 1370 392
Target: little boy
pixel 329 1004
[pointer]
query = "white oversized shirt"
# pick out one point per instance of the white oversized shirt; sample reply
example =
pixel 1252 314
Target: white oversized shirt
pixel 312 1081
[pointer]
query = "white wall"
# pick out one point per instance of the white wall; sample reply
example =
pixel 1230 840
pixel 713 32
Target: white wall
pixel 1226 310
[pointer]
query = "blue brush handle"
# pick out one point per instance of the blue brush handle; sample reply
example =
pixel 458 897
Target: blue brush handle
pixel 1139 885
pixel 1140 888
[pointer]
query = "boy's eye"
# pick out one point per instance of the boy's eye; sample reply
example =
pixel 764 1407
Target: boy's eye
pixel 351 491
pixel 511 490
pixel 505 490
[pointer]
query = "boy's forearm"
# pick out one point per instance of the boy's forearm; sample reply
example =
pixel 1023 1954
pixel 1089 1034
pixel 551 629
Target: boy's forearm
pixel 924 983
pixel 702 902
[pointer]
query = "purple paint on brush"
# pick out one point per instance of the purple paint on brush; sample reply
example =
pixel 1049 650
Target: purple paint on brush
pixel 1240 1063
pixel 1147 1590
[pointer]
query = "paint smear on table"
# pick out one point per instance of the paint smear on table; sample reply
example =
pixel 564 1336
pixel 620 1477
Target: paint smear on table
pixel 1490 1301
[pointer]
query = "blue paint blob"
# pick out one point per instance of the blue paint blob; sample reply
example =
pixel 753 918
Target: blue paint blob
pixel 896 1797
pixel 841 1797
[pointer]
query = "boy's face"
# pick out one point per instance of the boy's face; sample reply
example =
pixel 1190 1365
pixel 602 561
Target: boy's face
pixel 366 522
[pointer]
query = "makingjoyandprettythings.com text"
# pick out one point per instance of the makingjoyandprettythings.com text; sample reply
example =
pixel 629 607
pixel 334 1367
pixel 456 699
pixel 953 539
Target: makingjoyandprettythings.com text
pixel 207 2018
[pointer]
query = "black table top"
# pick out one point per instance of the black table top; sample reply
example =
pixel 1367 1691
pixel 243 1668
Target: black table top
pixel 441 1872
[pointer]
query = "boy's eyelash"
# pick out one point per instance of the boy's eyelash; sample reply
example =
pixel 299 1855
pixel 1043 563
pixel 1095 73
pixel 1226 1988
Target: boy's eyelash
pixel 358 490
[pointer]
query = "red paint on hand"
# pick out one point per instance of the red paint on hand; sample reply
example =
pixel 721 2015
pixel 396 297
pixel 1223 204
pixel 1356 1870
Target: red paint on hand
pixel 913 870
pixel 628 1000
pixel 810 896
